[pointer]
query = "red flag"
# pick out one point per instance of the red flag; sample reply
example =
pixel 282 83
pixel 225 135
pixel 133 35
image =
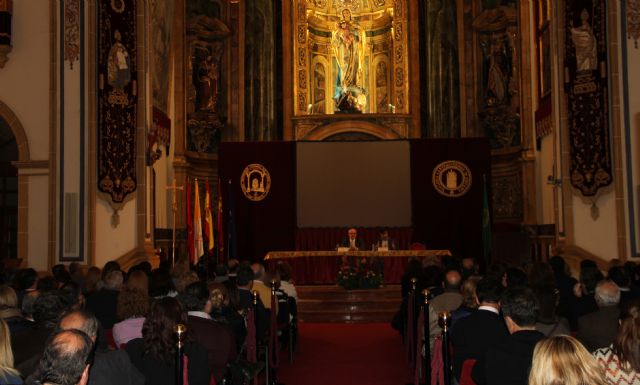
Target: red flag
pixel 190 249
pixel 219 224
pixel 197 226
pixel 208 219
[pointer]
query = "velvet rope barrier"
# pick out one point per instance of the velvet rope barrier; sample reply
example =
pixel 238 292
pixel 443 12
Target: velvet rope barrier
pixel 418 345
pixel 251 339
pixel 426 359
pixel 181 334
pixel 411 324
pixel 274 346
pixel 437 366
pixel 444 320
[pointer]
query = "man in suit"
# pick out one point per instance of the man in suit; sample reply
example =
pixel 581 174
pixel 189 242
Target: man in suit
pixel 352 241
pixel 385 241
pixel 244 280
pixel 598 329
pixel 451 299
pixel 67 355
pixel 110 367
pixel 509 363
pixel 476 333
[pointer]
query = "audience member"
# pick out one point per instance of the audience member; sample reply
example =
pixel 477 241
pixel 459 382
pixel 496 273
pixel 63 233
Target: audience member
pixel 47 283
pixel 259 284
pixel 91 281
pixel 110 367
pixel 9 311
pixel 286 284
pixel 224 310
pixel 222 273
pixel 132 308
pixel 61 275
pixel 476 333
pixel 185 279
pixel 620 276
pixel 515 277
pixel 549 322
pixel 66 359
pixel 598 329
pixel 77 273
pixel 508 363
pixel 244 280
pixel 468 267
pixel 26 281
pixel 621 360
pixel 154 353
pixel 29 344
pixel 27 305
pixel 216 338
pixel 8 375
pixel 469 300
pixel 433 279
pixel 104 303
pixel 413 270
pixel 562 360
pixel 451 299
pixel 583 300
pixel 161 284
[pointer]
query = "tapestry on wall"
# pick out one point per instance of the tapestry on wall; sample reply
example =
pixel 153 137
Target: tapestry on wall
pixel 586 67
pixel 117 97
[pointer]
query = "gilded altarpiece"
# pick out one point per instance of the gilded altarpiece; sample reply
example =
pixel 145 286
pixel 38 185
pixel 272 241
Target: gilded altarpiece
pixel 351 62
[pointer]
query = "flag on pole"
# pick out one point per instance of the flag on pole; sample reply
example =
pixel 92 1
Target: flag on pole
pixel 208 218
pixel 197 227
pixel 486 222
pixel 219 224
pixel 190 250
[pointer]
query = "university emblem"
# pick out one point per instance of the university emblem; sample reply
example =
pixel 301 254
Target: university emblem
pixel 255 182
pixel 451 178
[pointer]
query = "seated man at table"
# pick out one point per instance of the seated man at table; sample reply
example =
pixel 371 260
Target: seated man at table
pixel 385 242
pixel 352 241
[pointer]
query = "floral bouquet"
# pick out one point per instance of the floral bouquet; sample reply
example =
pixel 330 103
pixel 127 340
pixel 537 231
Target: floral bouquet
pixel 359 276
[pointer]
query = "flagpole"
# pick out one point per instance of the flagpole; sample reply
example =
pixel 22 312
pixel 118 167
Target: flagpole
pixel 174 208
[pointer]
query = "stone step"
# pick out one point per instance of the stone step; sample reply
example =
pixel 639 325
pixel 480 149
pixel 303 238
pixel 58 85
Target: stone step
pixel 335 304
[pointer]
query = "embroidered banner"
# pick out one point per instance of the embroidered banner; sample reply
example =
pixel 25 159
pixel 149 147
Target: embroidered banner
pixel 586 77
pixel 117 98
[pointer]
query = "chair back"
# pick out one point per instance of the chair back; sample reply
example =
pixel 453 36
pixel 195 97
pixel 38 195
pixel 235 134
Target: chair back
pixel 465 374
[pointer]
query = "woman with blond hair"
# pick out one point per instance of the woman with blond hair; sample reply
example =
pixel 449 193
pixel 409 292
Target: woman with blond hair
pixel 8 375
pixel 563 360
pixel 133 306
pixel 621 361
pixel 10 312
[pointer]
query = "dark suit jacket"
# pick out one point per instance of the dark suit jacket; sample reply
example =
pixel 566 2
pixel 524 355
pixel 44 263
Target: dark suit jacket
pixel 246 302
pixel 219 342
pixel 508 363
pixel 598 330
pixel 474 335
pixel 113 367
pixel 28 346
pixel 359 243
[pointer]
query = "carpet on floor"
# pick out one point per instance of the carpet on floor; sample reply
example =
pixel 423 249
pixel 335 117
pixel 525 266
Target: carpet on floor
pixel 346 354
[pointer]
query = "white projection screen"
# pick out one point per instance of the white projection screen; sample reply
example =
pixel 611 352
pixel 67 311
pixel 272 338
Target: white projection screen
pixel 363 184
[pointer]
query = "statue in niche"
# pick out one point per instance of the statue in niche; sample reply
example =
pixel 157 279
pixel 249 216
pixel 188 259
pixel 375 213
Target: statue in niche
pixel 585 43
pixel 118 65
pixel 347 43
pixel 319 89
pixel 381 87
pixel 206 78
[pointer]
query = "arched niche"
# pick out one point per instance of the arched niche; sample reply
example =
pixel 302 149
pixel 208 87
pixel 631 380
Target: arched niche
pixel 11 120
pixel 339 129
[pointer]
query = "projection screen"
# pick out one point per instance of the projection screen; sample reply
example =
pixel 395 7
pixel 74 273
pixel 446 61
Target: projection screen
pixel 363 184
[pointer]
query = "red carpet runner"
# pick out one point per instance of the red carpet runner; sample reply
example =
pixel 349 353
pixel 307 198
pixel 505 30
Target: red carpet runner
pixel 346 354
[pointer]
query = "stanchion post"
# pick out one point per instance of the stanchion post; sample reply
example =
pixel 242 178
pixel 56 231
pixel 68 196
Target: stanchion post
pixel 444 320
pixel 426 359
pixel 256 297
pixel 181 335
pixel 273 336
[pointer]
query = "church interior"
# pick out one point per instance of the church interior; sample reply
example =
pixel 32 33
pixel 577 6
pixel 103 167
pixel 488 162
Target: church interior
pixel 209 131
pixel 104 104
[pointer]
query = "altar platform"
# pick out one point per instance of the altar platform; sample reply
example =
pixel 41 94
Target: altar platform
pixel 321 267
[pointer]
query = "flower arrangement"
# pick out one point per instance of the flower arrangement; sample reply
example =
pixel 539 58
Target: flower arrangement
pixel 358 275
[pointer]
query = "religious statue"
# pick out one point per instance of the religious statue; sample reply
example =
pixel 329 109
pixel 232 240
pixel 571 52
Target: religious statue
pixel 207 74
pixel 118 65
pixel 348 47
pixel 585 43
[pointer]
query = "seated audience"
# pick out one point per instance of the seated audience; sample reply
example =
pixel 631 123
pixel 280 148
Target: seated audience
pixel 161 284
pixel 132 308
pixel 621 360
pixel 154 353
pixel 451 299
pixel 26 281
pixel 515 277
pixel 66 359
pixel 29 344
pixel 583 299
pixel 110 367
pixel 260 283
pixel 469 300
pixel 222 273
pixel 216 338
pixel 9 311
pixel 620 276
pixel 104 303
pixel 598 329
pixel 244 280
pixel 508 363
pixel 8 375
pixel 91 281
pixel 549 322
pixel 562 360
pixel 468 267
pixel 286 284
pixel 224 310
pixel 476 333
